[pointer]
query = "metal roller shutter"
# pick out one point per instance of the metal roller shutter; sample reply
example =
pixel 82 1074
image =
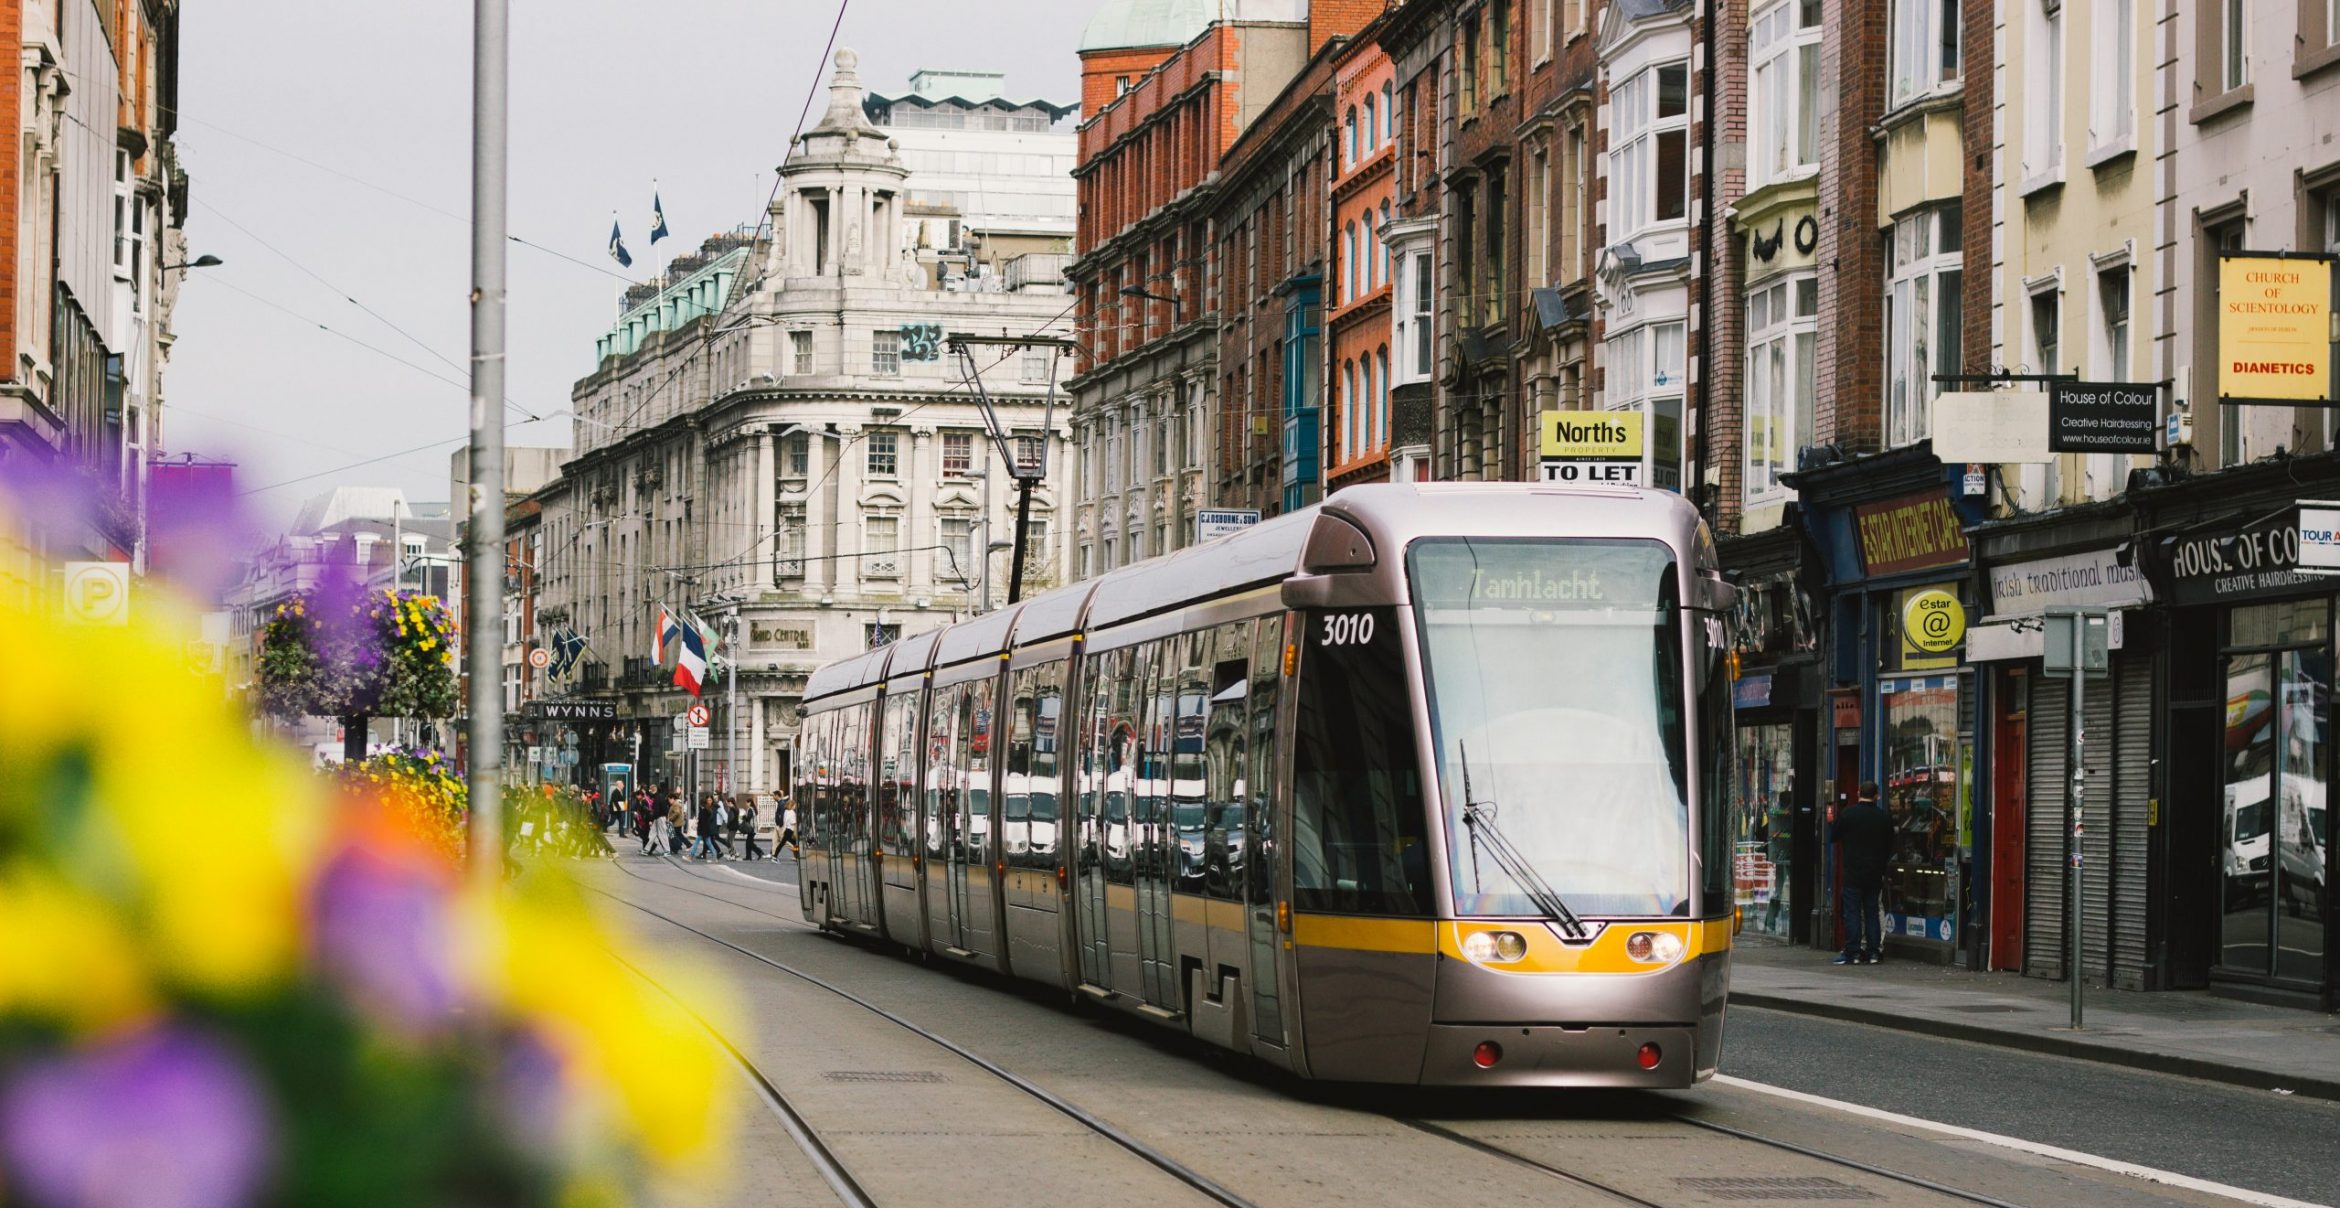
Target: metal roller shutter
pixel 2043 849
pixel 2132 777
pixel 2097 844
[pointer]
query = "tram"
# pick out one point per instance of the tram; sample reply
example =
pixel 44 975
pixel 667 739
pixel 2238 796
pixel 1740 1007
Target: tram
pixel 1425 784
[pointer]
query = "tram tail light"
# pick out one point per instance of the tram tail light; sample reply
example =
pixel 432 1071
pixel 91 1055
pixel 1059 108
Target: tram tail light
pixel 1488 1053
pixel 1648 1056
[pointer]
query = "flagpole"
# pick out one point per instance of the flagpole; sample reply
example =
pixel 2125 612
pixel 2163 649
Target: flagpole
pixel 490 100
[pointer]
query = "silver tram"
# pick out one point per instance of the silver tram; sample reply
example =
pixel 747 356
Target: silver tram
pixel 1425 784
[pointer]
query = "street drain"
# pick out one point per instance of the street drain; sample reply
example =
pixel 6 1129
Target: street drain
pixel 882 1076
pixel 1776 1187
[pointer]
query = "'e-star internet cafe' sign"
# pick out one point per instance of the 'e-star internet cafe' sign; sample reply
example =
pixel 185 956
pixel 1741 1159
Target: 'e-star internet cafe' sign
pixel 2275 328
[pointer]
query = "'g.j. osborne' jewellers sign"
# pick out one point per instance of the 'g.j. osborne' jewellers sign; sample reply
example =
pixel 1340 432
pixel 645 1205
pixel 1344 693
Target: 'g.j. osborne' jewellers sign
pixel 2294 549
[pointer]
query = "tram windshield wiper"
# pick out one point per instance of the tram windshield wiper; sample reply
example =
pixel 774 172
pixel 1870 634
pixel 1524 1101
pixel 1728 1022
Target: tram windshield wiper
pixel 1479 816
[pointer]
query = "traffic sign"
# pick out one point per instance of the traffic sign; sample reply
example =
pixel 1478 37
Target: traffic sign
pixel 540 658
pixel 699 737
pixel 700 717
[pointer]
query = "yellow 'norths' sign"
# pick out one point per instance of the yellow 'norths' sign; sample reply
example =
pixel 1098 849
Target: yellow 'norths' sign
pixel 2275 328
pixel 1593 435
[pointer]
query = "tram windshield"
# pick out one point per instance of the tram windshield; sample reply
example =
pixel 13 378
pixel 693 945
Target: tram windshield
pixel 1555 668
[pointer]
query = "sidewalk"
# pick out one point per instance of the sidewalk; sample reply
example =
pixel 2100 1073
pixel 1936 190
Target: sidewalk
pixel 2184 1032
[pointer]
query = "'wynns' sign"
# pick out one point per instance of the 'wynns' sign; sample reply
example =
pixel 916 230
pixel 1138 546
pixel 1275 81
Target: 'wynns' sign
pixel 2238 564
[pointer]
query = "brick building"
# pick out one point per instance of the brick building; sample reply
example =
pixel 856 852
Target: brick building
pixel 1149 312
pixel 1356 424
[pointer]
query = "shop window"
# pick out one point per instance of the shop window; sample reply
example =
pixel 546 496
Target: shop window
pixel 1922 773
pixel 1763 829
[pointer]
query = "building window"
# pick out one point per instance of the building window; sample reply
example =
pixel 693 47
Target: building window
pixel 1470 65
pixel 1379 434
pixel 1925 47
pixel 1348 262
pixel 958 549
pixel 788 544
pixel 2234 56
pixel 1499 48
pixel 1348 419
pixel 881 547
pixel 1372 259
pixel 958 454
pixel 2112 88
pixel 1389 110
pixel 2112 305
pixel 882 455
pixel 1030 451
pixel 885 353
pixel 1120 85
pixel 122 206
pixel 1782 332
pixel 799 456
pixel 1539 191
pixel 1425 296
pixel 1372 129
pixel 2043 110
pixel 1543 23
pixel 1649 169
pixel 1784 99
pixel 1349 139
pixel 800 352
pixel 1383 240
pixel 2047 327
pixel 1922 318
pixel 1036 366
pixel 1646 375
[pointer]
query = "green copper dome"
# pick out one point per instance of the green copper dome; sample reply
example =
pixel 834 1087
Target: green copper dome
pixel 1127 24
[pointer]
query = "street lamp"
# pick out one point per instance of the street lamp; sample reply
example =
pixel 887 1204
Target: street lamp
pixel 1132 291
pixel 204 261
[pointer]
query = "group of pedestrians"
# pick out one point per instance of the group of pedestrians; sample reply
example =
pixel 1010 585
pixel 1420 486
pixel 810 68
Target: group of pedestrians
pixel 665 824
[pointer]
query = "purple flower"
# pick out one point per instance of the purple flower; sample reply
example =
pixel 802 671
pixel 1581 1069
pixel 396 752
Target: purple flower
pixel 383 935
pixel 167 1118
pixel 531 1092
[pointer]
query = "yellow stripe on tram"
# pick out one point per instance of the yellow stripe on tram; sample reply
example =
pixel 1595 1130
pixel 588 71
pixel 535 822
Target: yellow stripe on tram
pixel 1364 934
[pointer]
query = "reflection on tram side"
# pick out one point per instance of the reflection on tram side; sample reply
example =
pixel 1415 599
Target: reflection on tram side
pixel 1427 784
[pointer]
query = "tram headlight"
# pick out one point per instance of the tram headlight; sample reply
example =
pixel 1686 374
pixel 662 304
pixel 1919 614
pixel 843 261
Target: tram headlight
pixel 1654 947
pixel 1494 947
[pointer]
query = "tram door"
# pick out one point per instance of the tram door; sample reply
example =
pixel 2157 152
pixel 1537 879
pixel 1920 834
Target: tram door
pixel 897 817
pixel 972 858
pixel 1156 847
pixel 939 815
pixel 841 819
pixel 1265 882
pixel 1103 678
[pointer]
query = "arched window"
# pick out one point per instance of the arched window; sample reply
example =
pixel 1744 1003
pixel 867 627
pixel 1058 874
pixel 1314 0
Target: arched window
pixel 1372 273
pixel 1348 418
pixel 1388 114
pixel 1372 128
pixel 1380 435
pixel 1385 244
pixel 1349 262
pixel 1349 139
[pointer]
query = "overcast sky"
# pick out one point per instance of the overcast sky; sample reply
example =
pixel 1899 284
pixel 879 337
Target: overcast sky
pixel 329 149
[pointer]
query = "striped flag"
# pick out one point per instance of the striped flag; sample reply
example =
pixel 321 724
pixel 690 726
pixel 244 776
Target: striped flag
pixel 667 631
pixel 690 665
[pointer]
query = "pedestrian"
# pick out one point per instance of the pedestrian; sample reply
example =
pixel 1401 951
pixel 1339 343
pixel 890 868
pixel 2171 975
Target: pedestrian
pixel 678 822
pixel 662 831
pixel 745 820
pixel 703 823
pixel 1864 836
pixel 787 836
pixel 722 816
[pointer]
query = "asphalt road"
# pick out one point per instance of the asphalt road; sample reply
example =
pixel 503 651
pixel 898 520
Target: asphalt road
pixel 2248 1139
pixel 2252 1139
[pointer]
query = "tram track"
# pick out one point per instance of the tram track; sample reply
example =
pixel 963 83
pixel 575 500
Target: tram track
pixel 848 1190
pixel 1192 1178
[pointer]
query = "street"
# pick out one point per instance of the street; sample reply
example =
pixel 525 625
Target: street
pixel 894 1107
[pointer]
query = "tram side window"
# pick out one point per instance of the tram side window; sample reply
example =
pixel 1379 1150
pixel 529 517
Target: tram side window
pixel 1015 803
pixel 942 774
pixel 1259 795
pixel 1356 785
pixel 1224 746
pixel 1047 773
pixel 1121 763
pixel 1189 813
pixel 893 802
pixel 1718 743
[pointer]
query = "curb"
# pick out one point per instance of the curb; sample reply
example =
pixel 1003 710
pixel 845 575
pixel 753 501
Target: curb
pixel 2104 1053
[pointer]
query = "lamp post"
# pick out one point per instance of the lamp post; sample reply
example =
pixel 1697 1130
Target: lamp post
pixel 204 261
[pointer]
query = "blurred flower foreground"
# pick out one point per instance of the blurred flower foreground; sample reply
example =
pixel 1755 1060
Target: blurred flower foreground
pixel 227 980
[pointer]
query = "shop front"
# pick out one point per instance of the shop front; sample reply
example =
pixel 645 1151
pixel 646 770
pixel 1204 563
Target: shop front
pixel 2077 557
pixel 1892 539
pixel 2251 678
pixel 1775 707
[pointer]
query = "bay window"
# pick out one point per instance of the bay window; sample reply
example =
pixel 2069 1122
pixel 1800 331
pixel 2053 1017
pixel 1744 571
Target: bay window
pixel 1783 100
pixel 1646 375
pixel 1925 48
pixel 1923 324
pixel 1782 333
pixel 1649 169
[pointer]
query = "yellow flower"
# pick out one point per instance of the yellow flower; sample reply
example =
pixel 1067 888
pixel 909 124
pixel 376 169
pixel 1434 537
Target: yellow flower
pixel 65 956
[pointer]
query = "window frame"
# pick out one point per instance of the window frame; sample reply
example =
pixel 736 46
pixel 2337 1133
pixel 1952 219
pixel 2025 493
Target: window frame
pixel 1782 57
pixel 1786 336
pixel 885 352
pixel 1922 34
pixel 1909 418
pixel 958 446
pixel 2112 80
pixel 871 453
pixel 881 561
pixel 1639 130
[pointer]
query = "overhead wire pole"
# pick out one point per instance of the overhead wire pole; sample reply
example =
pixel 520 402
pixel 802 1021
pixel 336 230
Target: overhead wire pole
pixel 483 647
pixel 1026 476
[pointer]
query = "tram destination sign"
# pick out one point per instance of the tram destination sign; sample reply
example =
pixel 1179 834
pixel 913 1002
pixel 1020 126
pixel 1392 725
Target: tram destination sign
pixel 2103 417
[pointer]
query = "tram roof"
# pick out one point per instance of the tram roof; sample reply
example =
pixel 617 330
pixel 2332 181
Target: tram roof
pixel 848 674
pixel 1263 553
pixel 1055 613
pixel 914 654
pixel 977 636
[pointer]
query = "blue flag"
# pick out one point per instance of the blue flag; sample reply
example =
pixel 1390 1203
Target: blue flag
pixel 657 218
pixel 617 247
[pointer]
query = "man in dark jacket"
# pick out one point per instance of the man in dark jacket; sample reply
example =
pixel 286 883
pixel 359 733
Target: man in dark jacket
pixel 1864 834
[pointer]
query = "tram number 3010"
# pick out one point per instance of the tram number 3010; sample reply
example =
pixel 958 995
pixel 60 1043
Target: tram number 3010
pixel 1347 629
